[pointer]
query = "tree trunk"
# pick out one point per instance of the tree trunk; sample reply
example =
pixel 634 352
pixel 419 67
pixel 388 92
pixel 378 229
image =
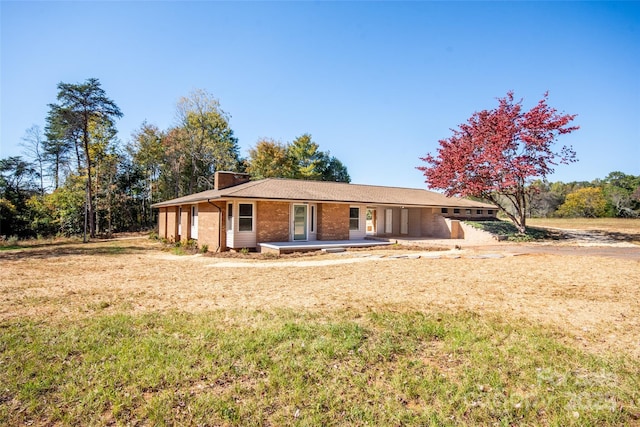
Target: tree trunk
pixel 109 202
pixel 522 223
pixel 86 204
pixel 41 175
pixel 519 221
pixel 192 177
pixel 78 156
pixel 90 210
pixel 56 172
pixel 96 193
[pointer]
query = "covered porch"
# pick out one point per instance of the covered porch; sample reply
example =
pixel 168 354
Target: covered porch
pixel 316 245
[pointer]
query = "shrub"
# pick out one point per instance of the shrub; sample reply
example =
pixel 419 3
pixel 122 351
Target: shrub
pixel 190 244
pixel 178 250
pixel 270 255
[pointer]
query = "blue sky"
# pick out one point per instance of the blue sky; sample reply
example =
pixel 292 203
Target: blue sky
pixel 376 83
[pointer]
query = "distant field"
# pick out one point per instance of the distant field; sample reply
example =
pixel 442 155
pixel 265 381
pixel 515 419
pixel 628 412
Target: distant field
pixel 125 333
pixel 604 224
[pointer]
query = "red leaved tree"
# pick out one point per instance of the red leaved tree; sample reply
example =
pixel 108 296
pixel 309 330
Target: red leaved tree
pixel 497 152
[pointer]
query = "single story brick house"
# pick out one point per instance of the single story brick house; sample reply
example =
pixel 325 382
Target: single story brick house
pixel 238 213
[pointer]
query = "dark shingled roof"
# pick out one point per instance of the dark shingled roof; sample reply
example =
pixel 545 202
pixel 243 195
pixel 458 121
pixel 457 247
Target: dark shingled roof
pixel 324 191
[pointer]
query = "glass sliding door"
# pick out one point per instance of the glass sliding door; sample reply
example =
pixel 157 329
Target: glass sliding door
pixel 299 222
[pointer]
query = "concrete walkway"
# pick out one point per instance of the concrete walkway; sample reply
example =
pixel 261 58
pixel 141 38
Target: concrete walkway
pixel 315 245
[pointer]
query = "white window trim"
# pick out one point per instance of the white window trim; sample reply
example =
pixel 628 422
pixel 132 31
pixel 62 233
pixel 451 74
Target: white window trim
pixel 229 226
pixel 307 222
pixel 253 217
pixel 358 218
pixel 194 221
pixel 313 215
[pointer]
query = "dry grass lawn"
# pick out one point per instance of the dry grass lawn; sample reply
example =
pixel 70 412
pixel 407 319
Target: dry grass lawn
pixel 592 302
pixel 619 229
pixel 622 225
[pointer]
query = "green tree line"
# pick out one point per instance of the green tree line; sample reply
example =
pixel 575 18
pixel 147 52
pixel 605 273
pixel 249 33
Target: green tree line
pixel 617 195
pixel 77 177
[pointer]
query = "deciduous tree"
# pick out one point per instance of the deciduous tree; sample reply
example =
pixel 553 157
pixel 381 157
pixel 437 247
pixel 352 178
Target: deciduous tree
pixel 619 189
pixel 542 199
pixel 587 202
pixel 207 139
pixel 147 153
pixel 34 144
pixel 497 152
pixel 16 187
pixel 270 159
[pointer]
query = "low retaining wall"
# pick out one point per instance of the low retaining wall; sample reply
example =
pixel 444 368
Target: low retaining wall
pixel 476 236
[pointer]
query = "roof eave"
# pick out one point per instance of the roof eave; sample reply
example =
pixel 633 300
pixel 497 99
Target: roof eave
pixel 183 202
pixel 283 199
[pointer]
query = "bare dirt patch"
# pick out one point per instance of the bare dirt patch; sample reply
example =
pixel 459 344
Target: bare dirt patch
pixel 593 301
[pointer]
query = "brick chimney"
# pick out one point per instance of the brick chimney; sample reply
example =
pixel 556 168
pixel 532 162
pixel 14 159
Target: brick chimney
pixel 224 179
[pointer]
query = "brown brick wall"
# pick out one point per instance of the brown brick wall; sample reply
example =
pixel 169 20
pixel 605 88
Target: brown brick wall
pixel 209 225
pixel 223 179
pixel 456 230
pixel 333 221
pixel 162 223
pixel 426 218
pixel 434 224
pixel 172 223
pixel 414 222
pixel 272 221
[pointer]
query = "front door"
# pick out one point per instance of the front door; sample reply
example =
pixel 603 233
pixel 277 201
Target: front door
pixel 388 221
pixel 404 221
pixel 371 222
pixel 299 222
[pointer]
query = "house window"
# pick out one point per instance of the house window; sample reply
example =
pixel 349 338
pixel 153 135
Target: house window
pixel 245 217
pixel 230 216
pixel 444 210
pixel 479 211
pixel 313 219
pixel 456 211
pixel 354 218
pixel 468 211
pixel 490 211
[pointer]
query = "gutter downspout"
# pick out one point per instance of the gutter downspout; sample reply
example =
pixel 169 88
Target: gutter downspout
pixel 219 225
